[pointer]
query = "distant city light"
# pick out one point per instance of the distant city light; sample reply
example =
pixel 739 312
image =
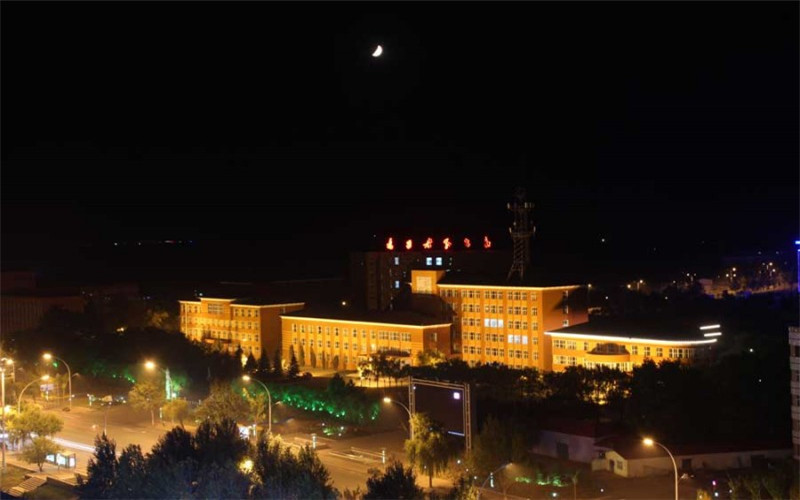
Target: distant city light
pixel 456 395
pixel 447 243
pixel 709 327
pixel 390 244
pixel 712 334
pixel 487 243
pixel 467 243
pixel 428 244
pixel 409 244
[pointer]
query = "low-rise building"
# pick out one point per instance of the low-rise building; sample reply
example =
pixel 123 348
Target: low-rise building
pixel 794 364
pixel 623 344
pixel 340 337
pixel 572 439
pixel 252 324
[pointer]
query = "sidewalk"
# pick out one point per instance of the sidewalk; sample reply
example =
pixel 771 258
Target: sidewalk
pixel 49 471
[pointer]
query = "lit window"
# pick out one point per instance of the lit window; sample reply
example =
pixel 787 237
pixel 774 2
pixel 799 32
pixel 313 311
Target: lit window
pixel 428 261
pixel 397 283
pixel 438 261
pixel 397 261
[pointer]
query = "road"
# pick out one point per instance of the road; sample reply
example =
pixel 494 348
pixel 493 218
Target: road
pixel 126 426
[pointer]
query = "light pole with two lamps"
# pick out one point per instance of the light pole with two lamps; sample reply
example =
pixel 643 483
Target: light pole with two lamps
pixel 247 379
pixel 650 442
pixel 43 378
pixel 4 363
pixel 387 399
pixel 491 477
pixel 49 357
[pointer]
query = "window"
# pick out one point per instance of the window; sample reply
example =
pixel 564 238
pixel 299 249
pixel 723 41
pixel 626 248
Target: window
pixel 438 261
pixel 434 336
pixel 534 311
pixel 647 351
pixel 294 328
pixel 565 322
pixel 428 261
pixel 635 350
pixel 336 331
pixel 559 344
pixel 397 283
pixel 397 261
pixel 571 344
pixel 659 352
pixel 214 308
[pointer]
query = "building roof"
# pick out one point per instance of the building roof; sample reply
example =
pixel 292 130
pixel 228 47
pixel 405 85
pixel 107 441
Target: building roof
pixel 246 301
pixel 408 318
pixel 632 448
pixel 576 427
pixel 650 328
pixel 533 278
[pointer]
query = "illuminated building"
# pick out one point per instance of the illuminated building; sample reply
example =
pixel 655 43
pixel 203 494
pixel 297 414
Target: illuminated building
pixel 378 278
pixel 623 344
pixel 233 323
pixel 794 365
pixel 502 322
pixel 339 338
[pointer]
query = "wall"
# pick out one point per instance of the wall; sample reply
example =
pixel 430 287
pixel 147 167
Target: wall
pixel 580 448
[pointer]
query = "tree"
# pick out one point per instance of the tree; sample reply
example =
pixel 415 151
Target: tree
pixel 176 409
pixel 147 396
pixel 277 364
pixel 223 403
pixel 37 451
pixel 429 449
pixel 237 355
pixel 294 368
pixel 395 482
pixel 250 365
pixel 464 489
pixel 282 475
pixel 219 443
pixel 499 442
pixel 302 357
pixel 264 367
pixel 335 362
pixel 430 357
pixel 33 421
pixel 131 473
pixel 101 470
pixel 313 356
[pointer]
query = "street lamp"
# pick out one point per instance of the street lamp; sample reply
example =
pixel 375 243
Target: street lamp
pixel 43 378
pixel 48 357
pixel 247 379
pixel 167 381
pixel 491 476
pixel 650 442
pixel 387 399
pixel 4 363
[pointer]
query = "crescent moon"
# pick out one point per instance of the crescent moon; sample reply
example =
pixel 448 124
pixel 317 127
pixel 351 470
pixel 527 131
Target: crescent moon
pixel 378 51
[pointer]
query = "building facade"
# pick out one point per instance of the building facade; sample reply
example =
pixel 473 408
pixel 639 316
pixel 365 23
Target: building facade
pixel 25 310
pixel 794 364
pixel 497 323
pixel 619 345
pixel 340 339
pixel 233 323
pixel 378 278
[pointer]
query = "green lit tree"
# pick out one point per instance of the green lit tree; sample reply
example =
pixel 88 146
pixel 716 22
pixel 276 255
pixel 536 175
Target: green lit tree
pixel 395 482
pixel 37 451
pixel 429 448
pixel 147 396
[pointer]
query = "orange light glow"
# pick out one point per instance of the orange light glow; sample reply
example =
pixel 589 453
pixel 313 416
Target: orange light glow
pixel 487 243
pixel 467 243
pixel 409 244
pixel 390 244
pixel 447 243
pixel 428 244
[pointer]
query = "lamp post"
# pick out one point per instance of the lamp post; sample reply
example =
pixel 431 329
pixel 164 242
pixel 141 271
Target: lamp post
pixel 650 442
pixel 48 357
pixel 167 380
pixel 4 362
pixel 387 399
pixel 43 378
pixel 491 476
pixel 247 379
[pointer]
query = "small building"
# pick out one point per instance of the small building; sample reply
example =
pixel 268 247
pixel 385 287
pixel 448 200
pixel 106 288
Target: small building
pixel 625 343
pixel 794 364
pixel 572 439
pixel 630 457
pixel 250 323
pixel 341 336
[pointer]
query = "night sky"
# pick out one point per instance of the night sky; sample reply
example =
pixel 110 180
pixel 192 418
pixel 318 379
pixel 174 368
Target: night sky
pixel 268 135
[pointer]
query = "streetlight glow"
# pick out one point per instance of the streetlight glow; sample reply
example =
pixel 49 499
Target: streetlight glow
pixel 651 442
pixel 387 399
pixel 150 365
pixel 247 379
pixel 49 357
pixel 648 442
